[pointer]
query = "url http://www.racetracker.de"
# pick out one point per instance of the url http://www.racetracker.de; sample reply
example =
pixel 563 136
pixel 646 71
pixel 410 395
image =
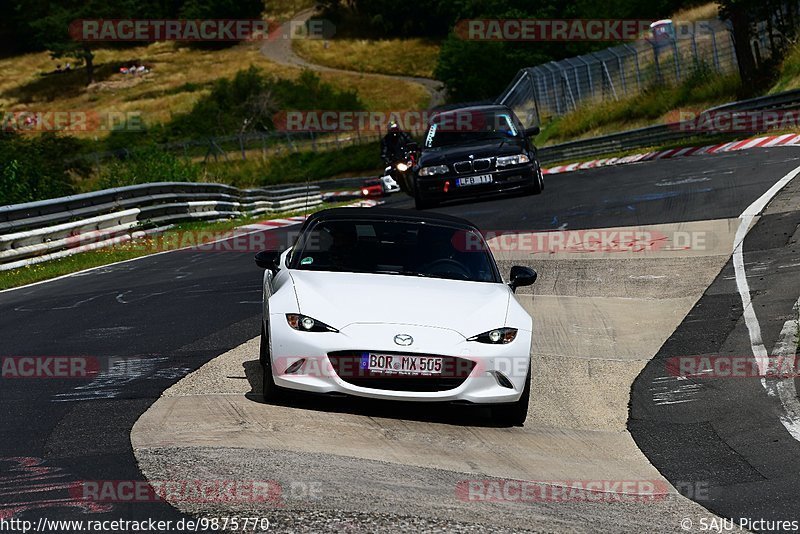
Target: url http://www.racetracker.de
pixel 202 524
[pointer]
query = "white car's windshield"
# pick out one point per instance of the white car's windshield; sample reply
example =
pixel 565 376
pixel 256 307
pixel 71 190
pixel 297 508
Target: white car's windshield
pixel 392 247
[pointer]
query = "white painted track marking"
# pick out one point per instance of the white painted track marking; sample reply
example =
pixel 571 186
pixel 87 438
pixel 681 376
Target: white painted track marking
pixel 789 419
pixel 784 361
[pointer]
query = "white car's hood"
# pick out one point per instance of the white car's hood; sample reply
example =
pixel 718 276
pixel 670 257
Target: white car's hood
pixel 341 299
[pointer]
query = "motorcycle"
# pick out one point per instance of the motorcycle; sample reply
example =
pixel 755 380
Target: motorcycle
pixel 401 170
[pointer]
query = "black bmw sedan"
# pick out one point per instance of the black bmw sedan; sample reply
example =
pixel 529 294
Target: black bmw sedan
pixel 474 151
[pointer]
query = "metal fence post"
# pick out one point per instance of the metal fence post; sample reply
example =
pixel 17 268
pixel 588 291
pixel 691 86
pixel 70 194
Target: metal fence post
pixel 555 89
pixel 577 82
pixel 638 69
pixel 656 63
pixel 714 49
pixel 588 74
pixel 677 60
pixel 534 99
pixel 621 70
pixel 537 92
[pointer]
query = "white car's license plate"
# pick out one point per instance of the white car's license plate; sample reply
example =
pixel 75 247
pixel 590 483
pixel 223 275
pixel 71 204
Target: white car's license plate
pixel 399 364
pixel 474 180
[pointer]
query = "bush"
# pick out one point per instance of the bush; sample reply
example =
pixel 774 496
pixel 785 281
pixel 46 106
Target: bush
pixel 299 167
pixel 789 71
pixel 245 103
pixel 148 164
pixel 36 168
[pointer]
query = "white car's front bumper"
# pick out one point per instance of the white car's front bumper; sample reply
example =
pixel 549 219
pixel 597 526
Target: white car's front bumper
pixel 490 364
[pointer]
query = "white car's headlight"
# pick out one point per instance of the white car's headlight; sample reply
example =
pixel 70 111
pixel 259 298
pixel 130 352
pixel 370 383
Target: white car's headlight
pixel 436 169
pixel 519 159
pixel 402 167
pixel 305 323
pixel 498 336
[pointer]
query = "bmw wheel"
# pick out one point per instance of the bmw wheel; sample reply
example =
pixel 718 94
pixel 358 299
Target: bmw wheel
pixel 538 183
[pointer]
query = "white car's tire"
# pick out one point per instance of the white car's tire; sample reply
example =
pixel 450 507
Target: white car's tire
pixel 271 391
pixel 515 413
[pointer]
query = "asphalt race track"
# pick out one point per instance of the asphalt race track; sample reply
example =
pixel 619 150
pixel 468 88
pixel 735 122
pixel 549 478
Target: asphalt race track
pixel 148 323
pixel 728 432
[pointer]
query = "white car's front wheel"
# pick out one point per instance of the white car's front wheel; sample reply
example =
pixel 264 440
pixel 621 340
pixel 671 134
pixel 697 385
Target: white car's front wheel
pixel 514 414
pixel 271 391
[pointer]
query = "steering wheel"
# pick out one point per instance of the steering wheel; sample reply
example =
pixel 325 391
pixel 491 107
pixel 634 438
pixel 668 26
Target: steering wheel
pixel 456 268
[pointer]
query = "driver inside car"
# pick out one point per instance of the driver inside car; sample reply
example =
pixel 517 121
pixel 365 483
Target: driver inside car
pixel 439 255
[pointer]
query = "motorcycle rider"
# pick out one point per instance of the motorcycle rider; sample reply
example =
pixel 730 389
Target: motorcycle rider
pixel 393 143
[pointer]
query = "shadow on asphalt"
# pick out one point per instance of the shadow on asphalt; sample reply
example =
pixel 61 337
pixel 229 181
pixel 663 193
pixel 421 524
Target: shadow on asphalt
pixel 397 199
pixel 427 412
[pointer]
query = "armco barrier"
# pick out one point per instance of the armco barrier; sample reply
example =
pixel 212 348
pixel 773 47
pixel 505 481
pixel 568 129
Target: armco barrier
pixel 607 144
pixel 661 134
pixel 37 231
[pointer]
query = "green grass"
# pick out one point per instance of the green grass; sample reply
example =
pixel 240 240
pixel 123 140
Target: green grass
pixel 789 77
pixel 180 77
pixel 169 240
pixel 406 57
pixel 298 167
pixel 657 104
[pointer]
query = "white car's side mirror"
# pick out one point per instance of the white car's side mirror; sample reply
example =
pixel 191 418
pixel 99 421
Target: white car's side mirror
pixel 522 276
pixel 284 259
pixel 267 259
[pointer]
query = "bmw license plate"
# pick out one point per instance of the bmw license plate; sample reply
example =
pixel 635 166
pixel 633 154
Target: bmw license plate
pixel 399 364
pixel 474 180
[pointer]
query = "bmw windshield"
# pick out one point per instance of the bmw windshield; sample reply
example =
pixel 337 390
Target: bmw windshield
pixel 460 127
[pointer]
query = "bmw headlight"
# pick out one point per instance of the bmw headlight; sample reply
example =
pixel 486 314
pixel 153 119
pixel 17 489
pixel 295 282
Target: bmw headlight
pixel 436 169
pixel 498 336
pixel 519 159
pixel 305 323
pixel 402 167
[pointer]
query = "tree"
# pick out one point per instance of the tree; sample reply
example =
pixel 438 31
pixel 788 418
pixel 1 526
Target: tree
pixel 779 18
pixel 221 9
pixel 465 83
pixel 742 13
pixel 51 27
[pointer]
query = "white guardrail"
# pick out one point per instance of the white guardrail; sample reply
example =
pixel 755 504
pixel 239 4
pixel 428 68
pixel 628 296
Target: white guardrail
pixel 34 232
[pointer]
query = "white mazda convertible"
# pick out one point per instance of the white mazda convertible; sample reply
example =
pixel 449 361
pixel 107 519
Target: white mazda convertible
pixel 395 304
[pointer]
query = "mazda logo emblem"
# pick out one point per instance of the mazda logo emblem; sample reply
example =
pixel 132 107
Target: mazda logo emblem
pixel 403 339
